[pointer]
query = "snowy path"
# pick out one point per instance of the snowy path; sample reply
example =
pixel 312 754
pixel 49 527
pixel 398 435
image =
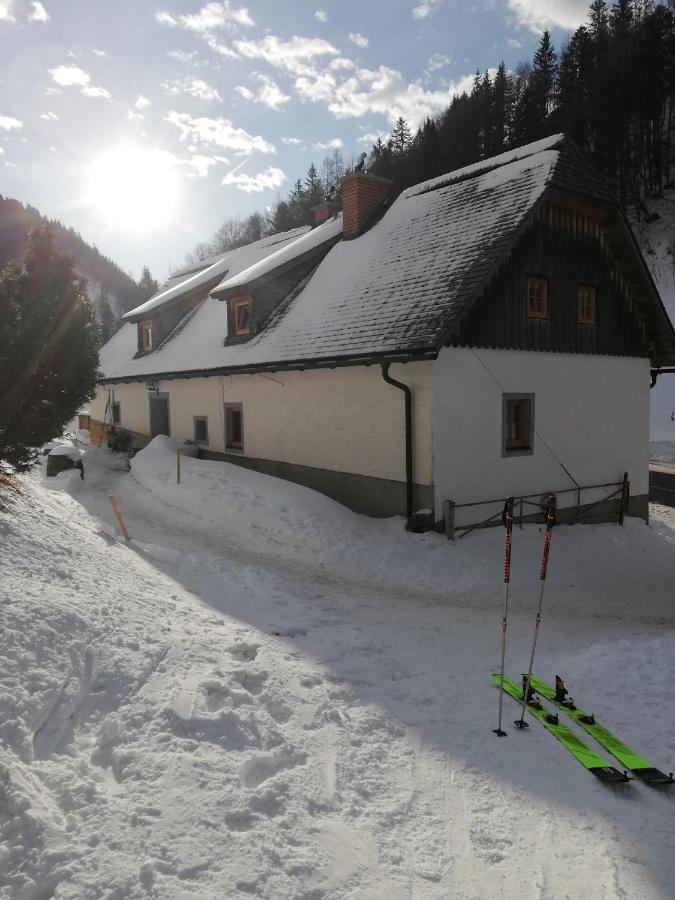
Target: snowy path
pixel 192 717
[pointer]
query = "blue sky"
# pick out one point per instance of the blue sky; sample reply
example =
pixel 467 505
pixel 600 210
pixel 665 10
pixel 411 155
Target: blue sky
pixel 144 124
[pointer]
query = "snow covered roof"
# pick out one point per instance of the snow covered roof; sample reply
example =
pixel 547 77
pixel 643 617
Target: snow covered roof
pixel 232 262
pixel 287 255
pixel 398 290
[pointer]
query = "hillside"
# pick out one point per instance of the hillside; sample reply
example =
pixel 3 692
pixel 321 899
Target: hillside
pixel 111 290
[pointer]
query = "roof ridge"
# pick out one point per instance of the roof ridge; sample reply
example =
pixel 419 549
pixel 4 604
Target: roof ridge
pixel 475 170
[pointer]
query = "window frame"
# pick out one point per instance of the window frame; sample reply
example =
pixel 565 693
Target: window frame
pixel 204 442
pixel 525 449
pixel 116 405
pixel 593 318
pixel 230 445
pixel 146 329
pixel 543 283
pixel 238 304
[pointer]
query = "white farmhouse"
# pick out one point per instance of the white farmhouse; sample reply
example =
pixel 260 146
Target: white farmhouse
pixel 490 332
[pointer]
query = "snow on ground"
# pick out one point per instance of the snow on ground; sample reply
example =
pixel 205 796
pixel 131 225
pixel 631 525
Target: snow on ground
pixel 265 694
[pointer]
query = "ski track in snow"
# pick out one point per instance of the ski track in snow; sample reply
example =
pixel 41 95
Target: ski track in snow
pixel 198 715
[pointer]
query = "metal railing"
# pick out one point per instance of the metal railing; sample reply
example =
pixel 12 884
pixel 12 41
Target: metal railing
pixel 538 501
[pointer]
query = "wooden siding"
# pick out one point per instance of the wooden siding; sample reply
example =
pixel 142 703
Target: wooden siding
pixel 567 247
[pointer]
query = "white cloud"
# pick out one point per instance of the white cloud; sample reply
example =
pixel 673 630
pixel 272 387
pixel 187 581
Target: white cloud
pixel 38 13
pixel 383 91
pixel 9 123
pixel 358 39
pixel 193 87
pixel 340 63
pixel 134 115
pixel 437 61
pixel 220 132
pixel 514 43
pixel 1 151
pixel 141 102
pixel 211 17
pixel 6 11
pixel 372 137
pixel 321 15
pixel 426 7
pixel 183 55
pixel 92 91
pixel 262 181
pixel 295 55
pixel 48 116
pixel 332 144
pixel 98 52
pixel 268 93
pixel 199 165
pixel 67 76
pixel 540 14
pixel 73 76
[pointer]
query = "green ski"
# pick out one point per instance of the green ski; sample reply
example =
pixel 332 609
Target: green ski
pixel 636 764
pixel 588 758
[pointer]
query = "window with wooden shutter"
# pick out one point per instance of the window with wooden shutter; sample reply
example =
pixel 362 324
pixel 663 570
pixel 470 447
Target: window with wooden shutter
pixel 537 297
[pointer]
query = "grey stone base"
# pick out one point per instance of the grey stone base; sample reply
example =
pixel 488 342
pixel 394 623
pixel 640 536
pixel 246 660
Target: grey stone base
pixel 361 493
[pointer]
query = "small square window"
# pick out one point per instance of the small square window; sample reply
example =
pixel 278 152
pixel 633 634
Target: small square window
pixel 537 297
pixel 241 314
pixel 146 335
pixel 116 412
pixel 517 424
pixel 234 426
pixel 586 304
pixel 201 429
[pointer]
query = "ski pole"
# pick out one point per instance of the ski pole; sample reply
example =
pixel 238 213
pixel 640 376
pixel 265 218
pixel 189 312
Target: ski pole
pixel 550 522
pixel 507 519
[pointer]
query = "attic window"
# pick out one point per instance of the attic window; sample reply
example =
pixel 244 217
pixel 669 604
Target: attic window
pixel 241 315
pixel 586 297
pixel 146 335
pixel 537 297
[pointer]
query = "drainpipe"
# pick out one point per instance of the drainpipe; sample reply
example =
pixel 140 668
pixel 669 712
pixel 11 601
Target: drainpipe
pixel 408 436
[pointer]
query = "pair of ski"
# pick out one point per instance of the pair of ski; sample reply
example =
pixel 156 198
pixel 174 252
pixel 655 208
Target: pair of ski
pixel 634 763
pixel 525 695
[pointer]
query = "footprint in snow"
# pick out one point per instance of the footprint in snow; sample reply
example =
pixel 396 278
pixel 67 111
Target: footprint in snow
pixel 244 652
pixel 262 768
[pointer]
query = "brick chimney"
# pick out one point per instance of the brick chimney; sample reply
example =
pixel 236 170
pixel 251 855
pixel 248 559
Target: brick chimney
pixel 362 196
pixel 324 211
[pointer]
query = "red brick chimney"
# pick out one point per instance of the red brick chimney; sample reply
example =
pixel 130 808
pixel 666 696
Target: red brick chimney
pixel 324 211
pixel 362 196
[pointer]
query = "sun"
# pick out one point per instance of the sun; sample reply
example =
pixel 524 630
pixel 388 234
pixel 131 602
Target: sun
pixel 134 188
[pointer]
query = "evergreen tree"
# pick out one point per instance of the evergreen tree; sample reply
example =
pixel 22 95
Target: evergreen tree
pixel 401 137
pixel 107 321
pixel 147 285
pixel 48 350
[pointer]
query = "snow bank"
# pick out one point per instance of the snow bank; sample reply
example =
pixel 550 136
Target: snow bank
pixel 66 450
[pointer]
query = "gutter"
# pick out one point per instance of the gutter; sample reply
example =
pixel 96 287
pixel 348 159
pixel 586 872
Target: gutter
pixel 408 435
pixel 298 365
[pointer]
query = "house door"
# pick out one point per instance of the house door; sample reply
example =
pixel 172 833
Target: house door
pixel 159 416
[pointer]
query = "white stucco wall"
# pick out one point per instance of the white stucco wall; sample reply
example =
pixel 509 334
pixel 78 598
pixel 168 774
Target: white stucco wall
pixel 346 419
pixel 592 411
pixel 134 406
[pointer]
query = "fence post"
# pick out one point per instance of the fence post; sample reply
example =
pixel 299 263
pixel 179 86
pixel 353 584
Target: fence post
pixel 520 514
pixel 449 519
pixel 177 465
pixel 578 504
pixel 118 516
pixel 625 498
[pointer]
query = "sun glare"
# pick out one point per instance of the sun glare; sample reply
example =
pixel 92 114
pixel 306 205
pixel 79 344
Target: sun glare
pixel 134 188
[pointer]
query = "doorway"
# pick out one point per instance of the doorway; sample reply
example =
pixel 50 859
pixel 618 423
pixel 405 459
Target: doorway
pixel 159 415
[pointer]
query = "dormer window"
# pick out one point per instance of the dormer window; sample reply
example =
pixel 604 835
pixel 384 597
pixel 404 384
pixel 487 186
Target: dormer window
pixel 146 335
pixel 241 316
